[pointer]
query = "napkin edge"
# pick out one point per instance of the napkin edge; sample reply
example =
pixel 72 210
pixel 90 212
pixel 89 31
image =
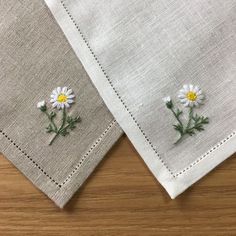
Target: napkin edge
pixel 43 181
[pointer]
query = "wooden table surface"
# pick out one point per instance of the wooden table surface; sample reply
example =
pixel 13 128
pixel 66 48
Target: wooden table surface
pixel 121 198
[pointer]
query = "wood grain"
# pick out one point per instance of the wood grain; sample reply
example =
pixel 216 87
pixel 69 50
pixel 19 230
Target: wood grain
pixel 121 198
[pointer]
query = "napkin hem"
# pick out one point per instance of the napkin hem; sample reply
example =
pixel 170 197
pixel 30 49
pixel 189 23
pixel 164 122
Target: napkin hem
pixel 201 166
pixel 173 183
pixel 60 193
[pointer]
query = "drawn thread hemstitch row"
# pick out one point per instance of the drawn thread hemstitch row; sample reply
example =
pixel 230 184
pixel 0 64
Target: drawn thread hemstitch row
pixel 27 156
pixel 206 154
pixel 76 167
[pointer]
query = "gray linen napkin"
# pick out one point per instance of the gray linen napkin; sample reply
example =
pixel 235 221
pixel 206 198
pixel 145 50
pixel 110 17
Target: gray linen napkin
pixel 35 58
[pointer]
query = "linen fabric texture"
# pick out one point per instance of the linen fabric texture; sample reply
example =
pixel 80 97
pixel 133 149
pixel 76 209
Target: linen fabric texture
pixel 137 52
pixel 36 58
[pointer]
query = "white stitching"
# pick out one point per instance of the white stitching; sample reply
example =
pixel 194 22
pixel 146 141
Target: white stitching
pixel 89 151
pixel 28 156
pixel 76 167
pixel 206 154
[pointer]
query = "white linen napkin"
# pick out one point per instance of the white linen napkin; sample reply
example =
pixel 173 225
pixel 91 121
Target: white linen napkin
pixel 35 58
pixel 139 52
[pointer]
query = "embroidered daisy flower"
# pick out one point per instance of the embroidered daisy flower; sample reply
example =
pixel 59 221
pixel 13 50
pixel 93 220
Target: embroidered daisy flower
pixel 191 96
pixel 62 97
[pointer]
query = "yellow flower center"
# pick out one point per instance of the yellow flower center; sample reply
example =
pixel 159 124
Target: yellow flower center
pixel 62 98
pixel 192 96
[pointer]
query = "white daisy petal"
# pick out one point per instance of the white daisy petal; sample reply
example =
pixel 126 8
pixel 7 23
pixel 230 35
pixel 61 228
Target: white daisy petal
pixel 70 101
pixel 71 96
pixel 67 105
pixel 201 102
pixel 186 104
pixel 199 92
pixel 54 92
pixel 64 90
pixel 181 95
pixel 191 87
pixel 191 104
pixel 54 104
pixel 196 89
pixel 186 88
pixel 58 90
pixel 69 91
pixel 182 91
pixel 201 96
pixel 184 100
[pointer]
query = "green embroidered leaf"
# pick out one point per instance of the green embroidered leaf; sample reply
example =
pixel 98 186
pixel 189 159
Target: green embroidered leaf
pixel 77 119
pixel 52 114
pixel 204 120
pixel 69 119
pixel 178 112
pixel 196 118
pixel 178 128
pixel 64 132
pixel 191 132
pixel 49 129
pixel 72 126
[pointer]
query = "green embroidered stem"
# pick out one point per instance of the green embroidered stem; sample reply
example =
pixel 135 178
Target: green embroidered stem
pixel 58 132
pixel 179 139
pixel 51 117
pixel 63 119
pixel 53 138
pixel 179 127
pixel 177 114
pixel 190 116
pixel 185 130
